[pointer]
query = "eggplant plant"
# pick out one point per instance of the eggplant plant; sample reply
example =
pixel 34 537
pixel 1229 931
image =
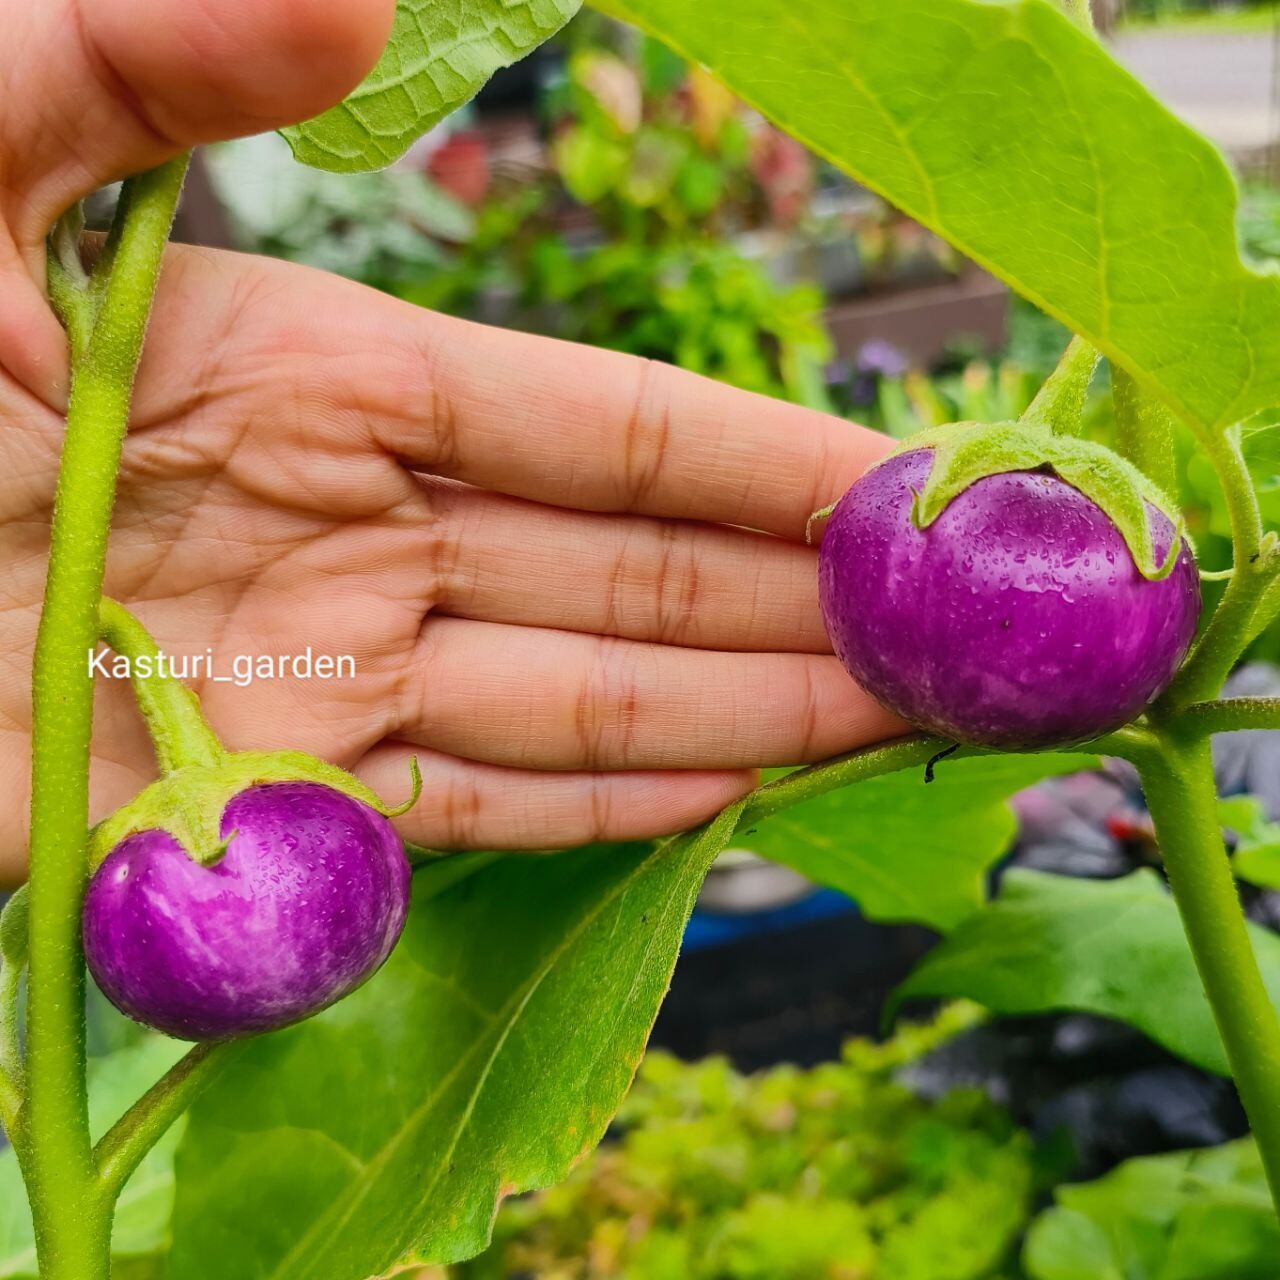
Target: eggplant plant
pixel 1026 599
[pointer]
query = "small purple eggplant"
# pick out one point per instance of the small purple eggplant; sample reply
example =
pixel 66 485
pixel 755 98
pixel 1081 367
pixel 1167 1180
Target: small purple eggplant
pixel 1016 619
pixel 306 901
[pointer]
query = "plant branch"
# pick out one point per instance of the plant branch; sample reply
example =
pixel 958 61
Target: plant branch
pixel 1184 807
pixel 69 285
pixel 1254 568
pixel 104 263
pixel 123 1147
pixel 179 732
pixel 1229 714
pixel 841 771
pixel 1268 607
pixel 1059 404
pixel 71 1222
pixel 1144 431
pixel 915 750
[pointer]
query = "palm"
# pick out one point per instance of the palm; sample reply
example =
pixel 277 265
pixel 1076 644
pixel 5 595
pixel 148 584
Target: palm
pixel 274 499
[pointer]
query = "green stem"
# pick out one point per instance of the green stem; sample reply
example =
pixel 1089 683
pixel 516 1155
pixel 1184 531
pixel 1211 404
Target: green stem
pixel 915 750
pixel 1267 611
pixel 1229 629
pixel 1228 714
pixel 1184 807
pixel 72 1217
pixel 179 731
pixel 69 289
pixel 1144 431
pixel 122 1148
pixel 104 265
pixel 842 771
pixel 1059 404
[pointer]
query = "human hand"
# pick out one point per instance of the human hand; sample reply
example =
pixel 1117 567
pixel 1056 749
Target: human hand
pixel 573 583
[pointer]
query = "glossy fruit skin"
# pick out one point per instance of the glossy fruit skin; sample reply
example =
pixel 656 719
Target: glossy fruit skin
pixel 308 900
pixel 1017 619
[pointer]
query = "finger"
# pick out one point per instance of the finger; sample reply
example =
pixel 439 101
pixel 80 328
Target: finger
pixel 525 415
pixel 98 90
pixel 94 91
pixel 556 700
pixel 598 430
pixel 465 805
pixel 675 582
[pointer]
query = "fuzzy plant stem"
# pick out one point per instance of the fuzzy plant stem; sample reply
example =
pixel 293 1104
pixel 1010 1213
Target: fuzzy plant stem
pixel 71 1210
pixel 1229 715
pixel 915 750
pixel 1268 609
pixel 1254 571
pixel 1182 797
pixel 1183 801
pixel 1144 431
pixel 1059 404
pixel 179 732
pixel 120 1152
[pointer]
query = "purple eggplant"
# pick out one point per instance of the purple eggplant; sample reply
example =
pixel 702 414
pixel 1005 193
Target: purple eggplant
pixel 303 905
pixel 1016 619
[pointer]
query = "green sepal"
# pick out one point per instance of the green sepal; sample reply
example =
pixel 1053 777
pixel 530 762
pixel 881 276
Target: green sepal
pixel 189 802
pixel 964 452
pixel 415 790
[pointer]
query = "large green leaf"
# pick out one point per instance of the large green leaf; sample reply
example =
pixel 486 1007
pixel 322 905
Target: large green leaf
pixel 486 1058
pixel 142 1216
pixel 1111 947
pixel 1192 1215
pixel 440 54
pixel 904 849
pixel 1010 131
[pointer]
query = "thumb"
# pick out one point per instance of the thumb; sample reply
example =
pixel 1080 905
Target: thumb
pixel 94 90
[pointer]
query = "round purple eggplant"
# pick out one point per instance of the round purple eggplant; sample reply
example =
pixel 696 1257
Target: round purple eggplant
pixel 305 903
pixel 1016 619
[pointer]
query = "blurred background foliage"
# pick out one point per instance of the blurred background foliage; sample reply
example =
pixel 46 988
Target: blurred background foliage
pixel 837 1171
pixel 843 1172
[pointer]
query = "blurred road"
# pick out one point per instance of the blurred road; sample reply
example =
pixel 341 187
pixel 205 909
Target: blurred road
pixel 1221 82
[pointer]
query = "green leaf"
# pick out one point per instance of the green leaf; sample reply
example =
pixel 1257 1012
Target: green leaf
pixel 904 849
pixel 1009 131
pixel 1110 947
pixel 486 1058
pixel 1191 1215
pixel 1257 854
pixel 142 1216
pixel 438 57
